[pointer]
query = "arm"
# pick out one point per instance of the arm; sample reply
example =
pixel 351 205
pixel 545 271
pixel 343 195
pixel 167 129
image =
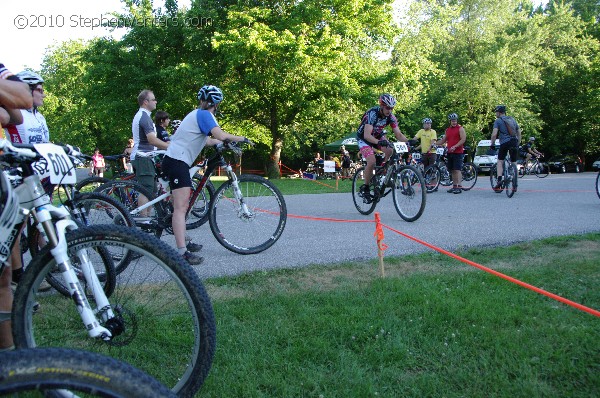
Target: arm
pixel 463 138
pixel 222 135
pixel 493 139
pixel 157 142
pixel 15 95
pixel 368 134
pixel 399 136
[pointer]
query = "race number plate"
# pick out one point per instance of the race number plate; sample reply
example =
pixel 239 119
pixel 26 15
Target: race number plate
pixel 400 147
pixel 440 151
pixel 416 156
pixel 56 164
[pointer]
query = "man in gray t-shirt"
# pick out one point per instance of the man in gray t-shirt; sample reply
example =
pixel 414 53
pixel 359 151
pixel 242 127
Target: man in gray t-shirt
pixel 145 140
pixel 508 131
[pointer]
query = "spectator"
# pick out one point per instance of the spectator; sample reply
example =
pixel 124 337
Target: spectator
pixel 144 141
pixel 427 137
pixel 455 137
pixel 98 165
pixel 161 121
pixel 126 160
pixel 319 162
pixel 346 162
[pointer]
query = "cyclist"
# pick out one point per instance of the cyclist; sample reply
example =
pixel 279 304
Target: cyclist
pixel 371 135
pixel 193 134
pixel 454 138
pixel 527 151
pixel 503 126
pixel 428 137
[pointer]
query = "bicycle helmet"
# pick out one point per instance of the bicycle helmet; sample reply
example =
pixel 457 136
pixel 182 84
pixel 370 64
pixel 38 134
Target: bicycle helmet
pixel 500 108
pixel 427 120
pixel 212 94
pixel 175 124
pixel 453 116
pixel 387 100
pixel 31 78
pixel 531 138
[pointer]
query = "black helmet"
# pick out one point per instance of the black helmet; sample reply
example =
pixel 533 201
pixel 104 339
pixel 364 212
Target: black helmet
pixel 500 108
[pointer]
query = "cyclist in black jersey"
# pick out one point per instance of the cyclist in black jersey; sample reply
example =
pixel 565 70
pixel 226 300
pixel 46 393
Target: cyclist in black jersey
pixel 527 150
pixel 371 134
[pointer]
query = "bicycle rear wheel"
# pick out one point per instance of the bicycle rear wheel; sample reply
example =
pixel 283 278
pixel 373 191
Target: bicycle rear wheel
pixel 88 374
pixel 251 223
pixel 432 178
pixel 494 179
pixel 128 192
pixel 541 170
pixel 511 180
pixel 409 193
pixel 469 176
pixel 164 321
pixel 363 205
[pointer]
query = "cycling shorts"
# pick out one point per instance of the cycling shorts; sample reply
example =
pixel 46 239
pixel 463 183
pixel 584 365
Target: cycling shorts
pixel 178 173
pixel 509 147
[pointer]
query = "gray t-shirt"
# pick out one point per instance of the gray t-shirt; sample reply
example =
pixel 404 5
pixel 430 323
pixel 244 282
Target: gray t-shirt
pixel 141 126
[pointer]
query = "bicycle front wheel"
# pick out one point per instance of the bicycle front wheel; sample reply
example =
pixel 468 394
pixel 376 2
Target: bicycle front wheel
pixel 163 320
pixel 88 374
pixel 598 184
pixel 432 178
pixel 469 176
pixel 91 183
pixel 248 220
pixel 409 193
pixel 363 205
pixel 541 170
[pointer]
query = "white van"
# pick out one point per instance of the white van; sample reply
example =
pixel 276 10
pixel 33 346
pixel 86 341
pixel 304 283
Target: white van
pixel 485 159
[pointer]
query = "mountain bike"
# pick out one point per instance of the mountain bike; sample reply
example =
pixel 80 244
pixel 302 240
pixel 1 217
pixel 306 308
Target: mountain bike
pixel 157 311
pixel 60 372
pixel 509 179
pixel 405 182
pixel 468 171
pixel 431 173
pixel 247 213
pixel 534 167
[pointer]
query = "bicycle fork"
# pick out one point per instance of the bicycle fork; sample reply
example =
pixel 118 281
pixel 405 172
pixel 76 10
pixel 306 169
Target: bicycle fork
pixel 244 211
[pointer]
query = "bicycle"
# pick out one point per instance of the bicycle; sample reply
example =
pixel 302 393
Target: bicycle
pixel 598 184
pixel 509 179
pixel 405 182
pixel 52 371
pixel 468 171
pixel 431 174
pixel 247 213
pixel 534 167
pixel 158 311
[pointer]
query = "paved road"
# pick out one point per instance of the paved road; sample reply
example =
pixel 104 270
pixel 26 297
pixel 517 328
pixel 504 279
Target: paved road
pixel 557 205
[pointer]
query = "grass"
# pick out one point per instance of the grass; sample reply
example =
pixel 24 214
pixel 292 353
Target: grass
pixel 433 327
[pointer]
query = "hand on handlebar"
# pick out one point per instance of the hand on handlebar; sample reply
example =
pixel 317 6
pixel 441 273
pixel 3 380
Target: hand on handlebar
pixel 384 143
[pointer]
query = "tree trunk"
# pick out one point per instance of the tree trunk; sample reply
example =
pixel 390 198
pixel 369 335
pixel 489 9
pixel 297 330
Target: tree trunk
pixel 274 156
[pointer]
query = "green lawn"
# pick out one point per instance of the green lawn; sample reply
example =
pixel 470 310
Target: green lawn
pixel 434 327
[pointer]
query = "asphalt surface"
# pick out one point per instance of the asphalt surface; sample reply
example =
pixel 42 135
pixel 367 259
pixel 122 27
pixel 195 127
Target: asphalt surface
pixel 560 204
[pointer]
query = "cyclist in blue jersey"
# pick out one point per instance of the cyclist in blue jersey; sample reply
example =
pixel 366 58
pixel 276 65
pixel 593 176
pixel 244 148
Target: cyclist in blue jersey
pixel 371 135
pixel 196 130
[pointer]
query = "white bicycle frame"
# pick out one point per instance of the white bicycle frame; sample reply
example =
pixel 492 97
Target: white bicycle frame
pixel 53 223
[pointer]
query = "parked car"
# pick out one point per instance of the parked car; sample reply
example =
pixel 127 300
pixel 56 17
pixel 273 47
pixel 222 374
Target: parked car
pixel 596 165
pixel 564 163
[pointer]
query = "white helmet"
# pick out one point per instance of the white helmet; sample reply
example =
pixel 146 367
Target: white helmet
pixel 30 77
pixel 388 100
pixel 212 94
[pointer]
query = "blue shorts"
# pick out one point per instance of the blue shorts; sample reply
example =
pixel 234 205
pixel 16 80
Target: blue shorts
pixel 455 161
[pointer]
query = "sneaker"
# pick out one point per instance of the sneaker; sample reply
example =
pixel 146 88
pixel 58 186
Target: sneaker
pixel 192 259
pixel 457 190
pixel 451 190
pixel 193 247
pixel 365 193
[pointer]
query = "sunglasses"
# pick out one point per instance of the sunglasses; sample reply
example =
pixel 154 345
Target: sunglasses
pixel 389 108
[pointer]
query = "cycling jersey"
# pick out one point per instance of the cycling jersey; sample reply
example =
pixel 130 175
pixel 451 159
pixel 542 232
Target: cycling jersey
pixel 379 122
pixel 142 126
pixel 33 130
pixel 191 136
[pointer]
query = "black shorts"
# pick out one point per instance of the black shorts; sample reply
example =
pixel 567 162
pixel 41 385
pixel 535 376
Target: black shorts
pixel 177 172
pixel 455 161
pixel 509 147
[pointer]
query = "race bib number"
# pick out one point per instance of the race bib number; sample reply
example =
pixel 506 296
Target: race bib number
pixel 400 147
pixel 56 164
pixel 440 151
pixel 416 156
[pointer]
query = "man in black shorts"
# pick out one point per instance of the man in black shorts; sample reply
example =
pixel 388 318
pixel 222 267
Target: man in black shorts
pixel 509 133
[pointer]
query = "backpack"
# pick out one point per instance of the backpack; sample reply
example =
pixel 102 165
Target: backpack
pixel 512 131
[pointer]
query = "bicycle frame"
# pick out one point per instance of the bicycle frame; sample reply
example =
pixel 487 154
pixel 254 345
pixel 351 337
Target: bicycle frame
pixel 54 222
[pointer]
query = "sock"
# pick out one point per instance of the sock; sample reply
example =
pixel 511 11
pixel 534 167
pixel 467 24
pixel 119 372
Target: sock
pixel 16 275
pixel 181 250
